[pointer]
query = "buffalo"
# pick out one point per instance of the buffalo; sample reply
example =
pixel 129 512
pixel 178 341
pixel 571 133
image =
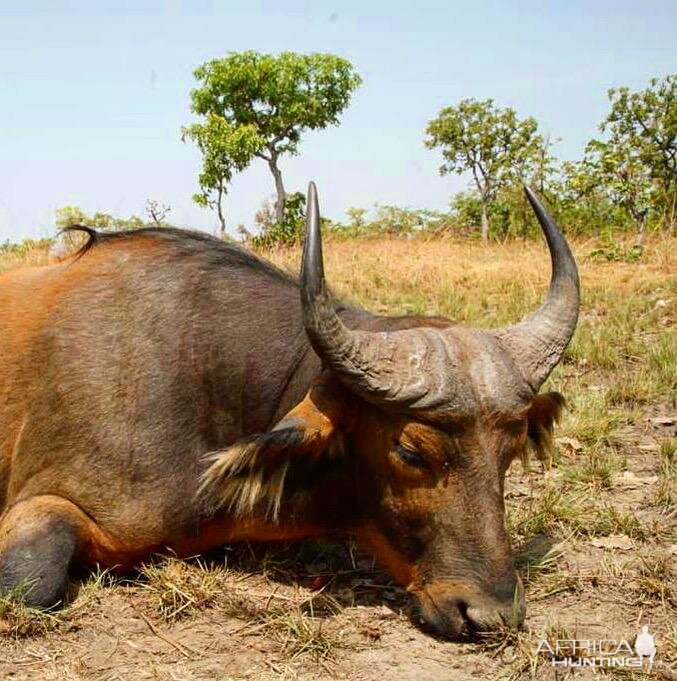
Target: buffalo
pixel 162 390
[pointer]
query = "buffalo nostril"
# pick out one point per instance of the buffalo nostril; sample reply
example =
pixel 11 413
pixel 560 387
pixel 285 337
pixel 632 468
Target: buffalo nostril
pixel 462 608
pixel 447 619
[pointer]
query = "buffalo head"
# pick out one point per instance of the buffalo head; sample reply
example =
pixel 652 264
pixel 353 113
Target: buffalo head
pixel 405 437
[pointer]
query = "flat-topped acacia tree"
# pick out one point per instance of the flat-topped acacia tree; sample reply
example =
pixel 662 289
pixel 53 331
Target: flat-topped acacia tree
pixel 258 105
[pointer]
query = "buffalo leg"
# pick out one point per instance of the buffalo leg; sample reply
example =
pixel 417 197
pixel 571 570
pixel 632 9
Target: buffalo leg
pixel 38 539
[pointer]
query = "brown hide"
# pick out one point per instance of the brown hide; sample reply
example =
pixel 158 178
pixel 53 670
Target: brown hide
pixel 123 369
pixel 120 369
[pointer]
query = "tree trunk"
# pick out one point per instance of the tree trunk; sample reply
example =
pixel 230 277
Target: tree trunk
pixel 279 188
pixel 671 212
pixel 221 215
pixel 485 222
pixel 641 232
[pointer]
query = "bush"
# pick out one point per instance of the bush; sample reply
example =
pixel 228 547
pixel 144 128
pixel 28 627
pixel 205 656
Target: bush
pixel 74 215
pixel 24 247
pixel 286 233
pixel 391 221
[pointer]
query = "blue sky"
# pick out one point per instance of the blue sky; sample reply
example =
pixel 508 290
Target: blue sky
pixel 93 95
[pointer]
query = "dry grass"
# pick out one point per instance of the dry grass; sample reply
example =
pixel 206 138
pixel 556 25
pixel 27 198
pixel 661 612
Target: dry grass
pixel 18 620
pixel 656 579
pixel 33 257
pixel 180 588
pixel 561 513
pixel 667 488
pixel 302 633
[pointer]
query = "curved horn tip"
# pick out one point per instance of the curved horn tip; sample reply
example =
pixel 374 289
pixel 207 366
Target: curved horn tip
pixel 539 340
pixel 533 199
pixel 312 266
pixel 312 209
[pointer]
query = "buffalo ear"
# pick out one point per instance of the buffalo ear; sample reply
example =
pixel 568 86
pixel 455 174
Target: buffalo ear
pixel 544 411
pixel 251 473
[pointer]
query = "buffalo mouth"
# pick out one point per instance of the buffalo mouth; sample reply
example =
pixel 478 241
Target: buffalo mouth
pixel 462 619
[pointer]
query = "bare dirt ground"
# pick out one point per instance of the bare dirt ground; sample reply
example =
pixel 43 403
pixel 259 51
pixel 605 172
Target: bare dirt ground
pixel 594 534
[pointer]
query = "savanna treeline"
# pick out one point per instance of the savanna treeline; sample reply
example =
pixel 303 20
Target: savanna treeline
pixel 255 108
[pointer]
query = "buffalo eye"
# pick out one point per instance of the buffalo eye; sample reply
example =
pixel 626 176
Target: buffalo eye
pixel 410 457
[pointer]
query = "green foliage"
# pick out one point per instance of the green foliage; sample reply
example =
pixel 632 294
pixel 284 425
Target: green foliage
pixel 226 149
pixel 387 220
pixel 491 143
pixel 391 220
pixel 395 220
pixel 509 213
pixel 637 162
pixel 25 246
pixel 279 97
pixel 74 215
pixel 467 208
pixel 628 181
pixel 357 218
pixel 582 202
pixel 290 230
pixel 258 105
pixel 646 123
pixel 615 252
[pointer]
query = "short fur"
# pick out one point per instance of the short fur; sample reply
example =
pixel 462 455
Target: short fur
pixel 131 363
